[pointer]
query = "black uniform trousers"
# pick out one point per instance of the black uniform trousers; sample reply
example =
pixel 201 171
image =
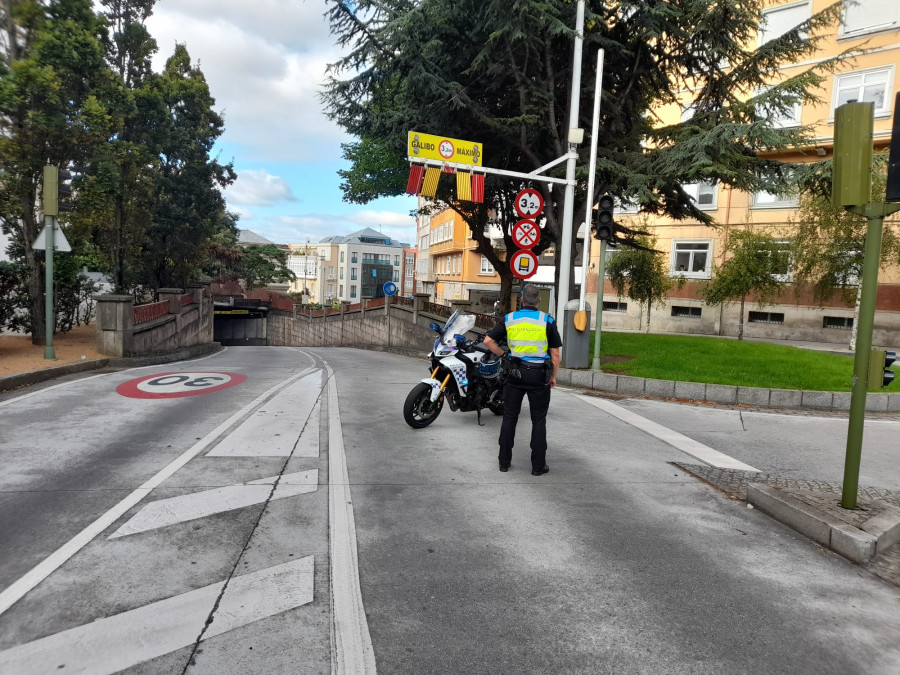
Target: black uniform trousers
pixel 531 385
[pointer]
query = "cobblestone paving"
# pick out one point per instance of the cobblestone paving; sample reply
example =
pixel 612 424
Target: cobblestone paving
pixel 821 495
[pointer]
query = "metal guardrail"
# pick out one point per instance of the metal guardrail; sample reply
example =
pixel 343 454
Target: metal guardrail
pixel 145 313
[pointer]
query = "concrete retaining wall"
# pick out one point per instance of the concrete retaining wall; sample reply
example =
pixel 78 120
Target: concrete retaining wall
pixel 183 325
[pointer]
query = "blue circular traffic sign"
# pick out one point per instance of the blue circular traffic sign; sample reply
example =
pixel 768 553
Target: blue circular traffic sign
pixel 390 288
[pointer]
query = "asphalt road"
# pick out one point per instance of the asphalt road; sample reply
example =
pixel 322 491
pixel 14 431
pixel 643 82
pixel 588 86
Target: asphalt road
pixel 229 532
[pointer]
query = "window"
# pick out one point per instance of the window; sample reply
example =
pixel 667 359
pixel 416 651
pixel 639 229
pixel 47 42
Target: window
pixel 330 290
pixel 615 306
pixel 341 273
pixel 410 271
pixel 686 312
pixel 352 274
pixel 353 257
pixel 486 267
pixel 396 276
pixel 397 260
pixel 841 322
pixel 342 256
pixel 779 20
pixel 766 317
pixel 691 258
pixel 781 260
pixel 352 291
pixel 703 194
pixel 770 200
pixel 864 16
pixel 866 86
pixel 341 290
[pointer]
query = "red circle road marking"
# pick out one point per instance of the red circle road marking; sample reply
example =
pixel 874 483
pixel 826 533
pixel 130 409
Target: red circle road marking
pixel 179 384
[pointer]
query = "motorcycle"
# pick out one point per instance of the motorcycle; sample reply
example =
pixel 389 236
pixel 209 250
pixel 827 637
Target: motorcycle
pixel 465 373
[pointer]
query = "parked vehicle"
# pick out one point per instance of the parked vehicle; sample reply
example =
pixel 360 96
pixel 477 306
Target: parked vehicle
pixel 464 373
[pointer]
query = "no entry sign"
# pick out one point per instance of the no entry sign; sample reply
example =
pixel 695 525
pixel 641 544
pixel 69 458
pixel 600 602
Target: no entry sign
pixel 178 385
pixel 524 264
pixel 526 234
pixel 529 203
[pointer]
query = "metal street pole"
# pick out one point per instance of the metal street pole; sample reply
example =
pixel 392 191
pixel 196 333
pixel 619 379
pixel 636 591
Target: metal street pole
pixel 49 314
pixel 565 258
pixel 875 214
pixel 601 271
pixel 592 172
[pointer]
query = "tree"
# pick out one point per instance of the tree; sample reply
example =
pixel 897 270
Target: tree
pixel 641 274
pixel 755 266
pixel 188 206
pixel 265 264
pixel 829 243
pixel 54 92
pixel 475 69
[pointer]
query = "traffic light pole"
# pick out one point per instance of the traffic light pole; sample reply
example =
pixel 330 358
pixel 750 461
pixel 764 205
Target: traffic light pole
pixel 601 272
pixel 875 213
pixel 49 315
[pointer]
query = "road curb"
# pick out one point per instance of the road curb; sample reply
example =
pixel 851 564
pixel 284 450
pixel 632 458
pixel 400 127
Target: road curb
pixel 859 544
pixel 9 382
pixel 757 397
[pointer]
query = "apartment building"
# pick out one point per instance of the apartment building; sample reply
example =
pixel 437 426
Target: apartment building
pixel 316 274
pixel 361 264
pixel 694 250
pixel 408 286
pixel 457 271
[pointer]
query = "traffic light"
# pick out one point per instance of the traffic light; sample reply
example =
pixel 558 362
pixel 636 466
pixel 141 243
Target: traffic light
pixel 604 226
pixel 880 372
pixel 57 190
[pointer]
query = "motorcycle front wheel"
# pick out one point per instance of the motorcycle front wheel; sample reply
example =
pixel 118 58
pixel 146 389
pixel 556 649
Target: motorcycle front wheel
pixel 419 411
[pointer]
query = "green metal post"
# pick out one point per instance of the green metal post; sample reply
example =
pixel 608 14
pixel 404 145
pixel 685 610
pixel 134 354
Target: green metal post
pixel 49 315
pixel 601 271
pixel 875 214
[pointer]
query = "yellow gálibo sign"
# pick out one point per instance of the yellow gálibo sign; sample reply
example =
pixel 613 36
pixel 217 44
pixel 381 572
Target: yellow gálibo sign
pixel 443 149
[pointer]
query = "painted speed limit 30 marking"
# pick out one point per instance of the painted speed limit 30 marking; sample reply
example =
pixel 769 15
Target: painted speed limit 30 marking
pixel 178 385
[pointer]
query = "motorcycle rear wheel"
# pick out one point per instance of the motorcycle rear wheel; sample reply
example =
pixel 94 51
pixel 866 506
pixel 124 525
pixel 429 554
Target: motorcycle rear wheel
pixel 418 410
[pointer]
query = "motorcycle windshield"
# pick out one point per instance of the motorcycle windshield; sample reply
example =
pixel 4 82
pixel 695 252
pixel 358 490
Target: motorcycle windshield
pixel 457 324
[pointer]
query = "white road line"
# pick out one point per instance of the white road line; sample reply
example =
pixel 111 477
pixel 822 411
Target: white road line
pixel 117 642
pixel 352 652
pixel 679 441
pixel 173 510
pixel 19 588
pixel 273 430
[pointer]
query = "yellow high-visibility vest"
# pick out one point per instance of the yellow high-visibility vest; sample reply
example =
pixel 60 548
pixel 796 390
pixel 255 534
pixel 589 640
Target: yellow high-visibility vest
pixel 526 334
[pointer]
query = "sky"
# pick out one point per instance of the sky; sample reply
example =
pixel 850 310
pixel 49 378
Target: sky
pixel 265 65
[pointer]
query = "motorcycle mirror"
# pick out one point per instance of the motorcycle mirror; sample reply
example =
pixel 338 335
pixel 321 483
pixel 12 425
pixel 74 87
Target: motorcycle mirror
pixel 433 326
pixel 459 338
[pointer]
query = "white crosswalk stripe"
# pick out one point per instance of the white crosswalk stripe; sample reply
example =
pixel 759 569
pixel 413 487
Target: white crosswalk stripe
pixel 179 509
pixel 117 642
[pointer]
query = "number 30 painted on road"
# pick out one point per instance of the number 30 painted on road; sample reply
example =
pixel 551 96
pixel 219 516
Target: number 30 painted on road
pixel 178 385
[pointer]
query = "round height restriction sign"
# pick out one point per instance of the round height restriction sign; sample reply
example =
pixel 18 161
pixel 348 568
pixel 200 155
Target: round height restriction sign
pixel 524 264
pixel 178 385
pixel 526 234
pixel 529 203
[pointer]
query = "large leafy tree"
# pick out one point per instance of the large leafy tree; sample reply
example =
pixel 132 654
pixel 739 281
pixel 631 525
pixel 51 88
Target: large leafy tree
pixel 500 74
pixel 261 265
pixel 189 209
pixel 755 267
pixel 55 94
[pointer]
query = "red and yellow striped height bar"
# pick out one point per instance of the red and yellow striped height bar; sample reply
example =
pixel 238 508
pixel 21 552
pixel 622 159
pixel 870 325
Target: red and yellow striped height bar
pixel 429 187
pixel 464 186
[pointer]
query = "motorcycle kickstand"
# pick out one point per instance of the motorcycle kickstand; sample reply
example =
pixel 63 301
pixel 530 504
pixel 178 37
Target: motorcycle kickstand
pixel 478 412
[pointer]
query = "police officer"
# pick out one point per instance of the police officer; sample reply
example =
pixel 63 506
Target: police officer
pixel 534 343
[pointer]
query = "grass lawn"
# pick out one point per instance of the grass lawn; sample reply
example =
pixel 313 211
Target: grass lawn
pixel 690 358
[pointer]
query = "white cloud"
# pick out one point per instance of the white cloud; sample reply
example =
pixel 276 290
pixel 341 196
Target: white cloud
pixel 265 64
pixel 258 188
